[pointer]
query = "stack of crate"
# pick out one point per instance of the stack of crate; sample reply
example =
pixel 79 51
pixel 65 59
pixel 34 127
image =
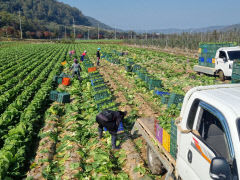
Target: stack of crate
pixel 207 52
pixel 173 142
pixel 101 94
pixel 63 97
pixel 236 71
pixel 168 141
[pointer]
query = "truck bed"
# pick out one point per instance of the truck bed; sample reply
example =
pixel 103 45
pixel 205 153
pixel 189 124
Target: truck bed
pixel 145 127
pixel 204 69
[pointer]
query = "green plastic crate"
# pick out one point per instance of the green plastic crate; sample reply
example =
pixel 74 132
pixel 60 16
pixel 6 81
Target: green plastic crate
pixel 116 61
pixel 142 75
pixel 94 74
pixel 53 95
pixel 128 68
pixel 96 83
pixel 164 99
pixel 136 67
pixel 148 78
pixel 236 67
pixel 235 76
pixel 64 75
pixel 173 141
pixel 100 88
pixel 103 103
pixel 175 99
pixel 235 81
pixel 154 83
pixel 63 97
pixel 59 80
pixel 55 78
pixel 102 95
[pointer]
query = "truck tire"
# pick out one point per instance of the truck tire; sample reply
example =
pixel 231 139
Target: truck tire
pixel 154 163
pixel 221 75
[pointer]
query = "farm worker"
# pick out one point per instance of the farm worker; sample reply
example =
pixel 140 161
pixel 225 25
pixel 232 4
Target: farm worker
pixel 76 69
pixel 70 54
pixel 98 56
pixel 110 120
pixel 83 55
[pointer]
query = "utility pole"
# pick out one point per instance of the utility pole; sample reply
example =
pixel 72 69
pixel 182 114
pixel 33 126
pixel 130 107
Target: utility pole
pixel 115 33
pixel 88 33
pixel 65 33
pixel 74 29
pixel 98 31
pixel 20 22
pixel 146 37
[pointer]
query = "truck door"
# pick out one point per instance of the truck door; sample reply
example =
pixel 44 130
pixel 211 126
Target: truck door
pixel 223 63
pixel 209 138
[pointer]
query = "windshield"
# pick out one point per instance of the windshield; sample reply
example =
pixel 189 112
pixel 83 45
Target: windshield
pixel 234 55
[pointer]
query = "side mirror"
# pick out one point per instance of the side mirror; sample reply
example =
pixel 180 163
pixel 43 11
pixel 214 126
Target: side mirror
pixel 225 59
pixel 220 169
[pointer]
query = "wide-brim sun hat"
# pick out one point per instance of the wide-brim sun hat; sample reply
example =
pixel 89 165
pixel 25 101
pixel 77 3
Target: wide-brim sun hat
pixel 99 49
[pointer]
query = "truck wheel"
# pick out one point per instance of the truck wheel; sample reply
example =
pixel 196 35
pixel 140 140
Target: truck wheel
pixel 221 76
pixel 154 163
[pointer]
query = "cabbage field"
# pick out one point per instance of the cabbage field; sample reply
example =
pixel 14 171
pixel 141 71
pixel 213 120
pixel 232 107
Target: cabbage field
pixel 42 139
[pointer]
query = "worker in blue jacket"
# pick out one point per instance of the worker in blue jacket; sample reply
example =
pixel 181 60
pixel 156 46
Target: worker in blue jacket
pixel 110 120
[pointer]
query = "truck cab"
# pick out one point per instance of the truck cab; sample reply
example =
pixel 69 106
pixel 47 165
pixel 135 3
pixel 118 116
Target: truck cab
pixel 218 62
pixel 212 116
pixel 224 60
pixel 208 135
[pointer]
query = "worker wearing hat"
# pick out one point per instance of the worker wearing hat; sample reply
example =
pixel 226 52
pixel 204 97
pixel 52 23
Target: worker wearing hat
pixel 111 121
pixel 76 69
pixel 98 56
pixel 83 55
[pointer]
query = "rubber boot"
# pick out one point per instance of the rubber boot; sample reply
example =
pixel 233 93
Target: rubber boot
pixel 114 140
pixel 100 133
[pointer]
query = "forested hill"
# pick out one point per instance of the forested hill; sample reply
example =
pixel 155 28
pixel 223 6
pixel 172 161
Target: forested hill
pixel 45 10
pixel 42 15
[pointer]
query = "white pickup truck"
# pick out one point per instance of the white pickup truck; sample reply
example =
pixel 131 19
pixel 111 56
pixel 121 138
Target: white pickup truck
pixel 208 136
pixel 223 62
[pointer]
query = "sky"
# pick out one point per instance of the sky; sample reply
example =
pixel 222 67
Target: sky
pixel 160 14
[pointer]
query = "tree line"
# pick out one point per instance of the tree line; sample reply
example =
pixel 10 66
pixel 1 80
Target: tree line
pixel 184 40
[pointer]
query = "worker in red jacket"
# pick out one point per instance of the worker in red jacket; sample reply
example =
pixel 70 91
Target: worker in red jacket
pixel 110 120
pixel 83 55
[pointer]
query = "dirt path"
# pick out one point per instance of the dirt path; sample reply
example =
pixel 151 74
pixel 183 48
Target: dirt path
pixel 58 148
pixel 46 149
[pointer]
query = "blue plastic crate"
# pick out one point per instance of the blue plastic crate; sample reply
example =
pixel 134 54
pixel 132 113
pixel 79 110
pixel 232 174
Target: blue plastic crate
pixel 161 93
pixel 201 59
pixel 209 60
pixel 205 50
